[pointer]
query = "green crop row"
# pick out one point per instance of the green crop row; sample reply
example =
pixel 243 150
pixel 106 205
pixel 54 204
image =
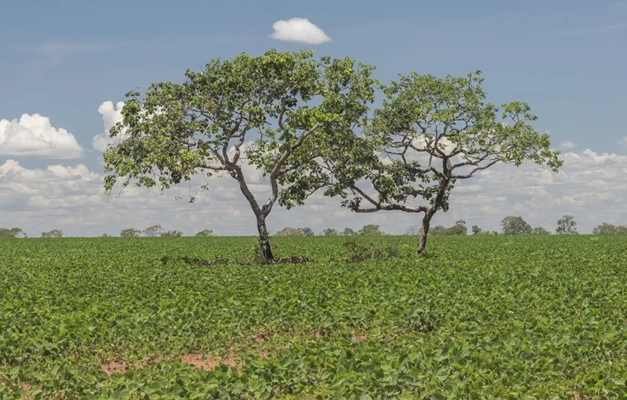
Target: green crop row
pixel 491 317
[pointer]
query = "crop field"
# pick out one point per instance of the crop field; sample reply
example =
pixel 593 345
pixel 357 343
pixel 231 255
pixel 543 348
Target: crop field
pixel 492 317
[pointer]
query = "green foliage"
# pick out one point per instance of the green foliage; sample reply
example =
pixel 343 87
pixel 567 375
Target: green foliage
pixel 130 232
pixel 476 230
pixel 205 233
pixel 279 112
pixel 514 317
pixel 538 230
pixel 371 230
pixel 12 233
pixel 515 226
pixel 55 233
pixel 566 225
pixel 348 232
pixel 329 232
pixel 609 229
pixel 287 231
pixel 172 233
pixel 458 229
pixel 154 230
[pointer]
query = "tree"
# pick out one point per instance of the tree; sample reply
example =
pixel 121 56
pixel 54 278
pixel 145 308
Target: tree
pixel 130 232
pixel 476 230
pixel 412 230
pixel 515 226
pixel 153 231
pixel 371 230
pixel 329 232
pixel 173 233
pixel 55 233
pixel 287 231
pixel 296 104
pixel 458 229
pixel 105 235
pixel 12 233
pixel 348 232
pixel 538 230
pixel 205 233
pixel 429 133
pixel 438 230
pixel 609 229
pixel 566 225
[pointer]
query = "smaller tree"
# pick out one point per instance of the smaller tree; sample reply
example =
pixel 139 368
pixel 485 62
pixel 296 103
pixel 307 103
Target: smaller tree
pixel 306 231
pixel 609 229
pixel 458 229
pixel 153 231
pixel 329 232
pixel 130 232
pixel 413 230
pixel 438 230
pixel 566 225
pixel 348 232
pixel 288 231
pixel 205 233
pixel 371 230
pixel 55 233
pixel 538 230
pixel 105 235
pixel 173 233
pixel 476 230
pixel 12 233
pixel 515 226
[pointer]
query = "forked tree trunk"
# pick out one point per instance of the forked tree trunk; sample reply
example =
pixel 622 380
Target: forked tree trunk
pixel 424 231
pixel 264 241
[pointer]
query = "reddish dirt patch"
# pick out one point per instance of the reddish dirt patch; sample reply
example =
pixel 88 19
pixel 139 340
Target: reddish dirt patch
pixel 359 338
pixel 114 367
pixel 206 362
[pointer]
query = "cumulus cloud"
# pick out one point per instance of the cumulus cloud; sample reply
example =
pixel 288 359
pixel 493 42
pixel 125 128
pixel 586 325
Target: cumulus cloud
pixel 34 135
pixel 111 115
pixel 299 30
pixel 590 186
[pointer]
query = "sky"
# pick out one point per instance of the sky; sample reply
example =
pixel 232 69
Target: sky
pixel 66 66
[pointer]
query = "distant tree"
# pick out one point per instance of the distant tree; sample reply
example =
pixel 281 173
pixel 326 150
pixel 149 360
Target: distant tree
pixel 348 232
pixel 55 233
pixel 153 231
pixel 130 232
pixel 458 229
pixel 173 233
pixel 205 233
pixel 306 231
pixel 12 233
pixel 476 230
pixel 288 231
pixel 370 230
pixel 105 235
pixel 329 232
pixel 438 230
pixel 609 229
pixel 515 226
pixel 412 230
pixel 538 230
pixel 566 225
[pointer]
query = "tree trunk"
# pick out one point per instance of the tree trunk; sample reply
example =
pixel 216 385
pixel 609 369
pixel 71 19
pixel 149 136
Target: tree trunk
pixel 424 231
pixel 264 241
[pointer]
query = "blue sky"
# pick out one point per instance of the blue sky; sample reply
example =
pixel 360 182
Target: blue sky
pixel 64 58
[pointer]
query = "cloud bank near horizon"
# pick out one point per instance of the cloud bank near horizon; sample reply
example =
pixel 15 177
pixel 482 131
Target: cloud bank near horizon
pixel 70 197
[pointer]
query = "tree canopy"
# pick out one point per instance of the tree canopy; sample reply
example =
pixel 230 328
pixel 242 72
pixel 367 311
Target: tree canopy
pixel 276 112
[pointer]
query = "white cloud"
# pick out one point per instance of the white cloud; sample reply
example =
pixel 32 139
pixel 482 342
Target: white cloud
pixel 33 135
pixel 111 115
pixel 567 144
pixel 299 30
pixel 71 198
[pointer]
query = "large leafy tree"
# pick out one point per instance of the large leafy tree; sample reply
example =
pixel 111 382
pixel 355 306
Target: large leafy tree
pixel 428 134
pixel 272 111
